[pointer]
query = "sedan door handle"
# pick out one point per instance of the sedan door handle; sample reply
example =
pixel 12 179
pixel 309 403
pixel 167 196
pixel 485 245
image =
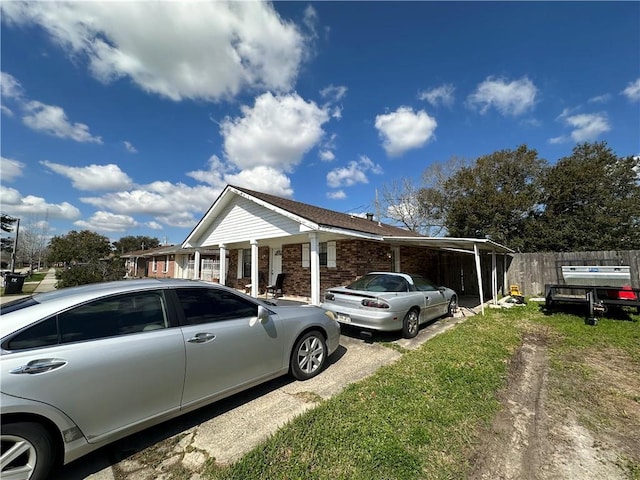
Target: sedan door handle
pixel 201 338
pixel 39 366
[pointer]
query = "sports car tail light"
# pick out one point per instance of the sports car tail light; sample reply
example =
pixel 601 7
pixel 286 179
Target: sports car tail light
pixel 329 296
pixel 369 302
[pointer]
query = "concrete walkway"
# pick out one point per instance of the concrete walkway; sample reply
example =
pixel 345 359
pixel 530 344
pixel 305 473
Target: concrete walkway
pixel 48 283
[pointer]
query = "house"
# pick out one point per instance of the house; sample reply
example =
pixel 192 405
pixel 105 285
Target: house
pixel 171 261
pixel 258 236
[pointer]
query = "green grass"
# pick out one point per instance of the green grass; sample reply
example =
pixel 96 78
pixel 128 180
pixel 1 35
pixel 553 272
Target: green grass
pixel 419 418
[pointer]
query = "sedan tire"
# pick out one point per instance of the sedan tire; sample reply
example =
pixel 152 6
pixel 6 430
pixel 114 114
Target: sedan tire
pixel 27 451
pixel 309 356
pixel 410 324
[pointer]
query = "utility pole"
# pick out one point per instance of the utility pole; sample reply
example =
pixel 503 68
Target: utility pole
pixel 15 247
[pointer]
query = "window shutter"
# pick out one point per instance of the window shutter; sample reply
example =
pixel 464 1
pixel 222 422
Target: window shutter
pixel 240 264
pixel 305 255
pixel 331 254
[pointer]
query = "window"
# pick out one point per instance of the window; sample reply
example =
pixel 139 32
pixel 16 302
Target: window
pixel 322 253
pixel 246 262
pixel 108 317
pixel 326 254
pixel 205 305
pixel 41 334
pixel 166 264
pixel 154 265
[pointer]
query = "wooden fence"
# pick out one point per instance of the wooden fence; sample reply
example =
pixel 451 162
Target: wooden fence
pixel 531 271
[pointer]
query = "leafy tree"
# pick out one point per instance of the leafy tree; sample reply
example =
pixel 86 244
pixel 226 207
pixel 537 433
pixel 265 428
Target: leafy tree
pixel 592 202
pixel 92 272
pixel 495 198
pixel 133 243
pixel 78 247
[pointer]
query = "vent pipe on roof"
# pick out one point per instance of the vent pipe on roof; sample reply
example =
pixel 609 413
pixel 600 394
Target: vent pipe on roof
pixel 370 217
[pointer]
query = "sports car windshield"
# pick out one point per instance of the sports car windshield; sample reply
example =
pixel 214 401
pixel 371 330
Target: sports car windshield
pixel 380 283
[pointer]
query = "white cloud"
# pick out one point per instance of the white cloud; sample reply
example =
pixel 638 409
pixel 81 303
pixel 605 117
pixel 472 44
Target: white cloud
pixel 276 132
pixel 10 87
pixel 442 95
pixel 129 147
pixel 600 98
pixel 10 169
pixel 262 178
pixel 632 92
pixel 107 222
pixel 13 203
pixel 354 172
pixel 157 198
pixel 191 49
pixel 6 110
pixel 333 93
pixel 327 156
pixel 336 195
pixel 509 98
pixel 586 127
pixel 405 129
pixel 52 120
pixel 93 177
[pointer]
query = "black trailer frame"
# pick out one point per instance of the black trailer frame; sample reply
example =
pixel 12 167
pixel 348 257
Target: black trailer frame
pixel 596 298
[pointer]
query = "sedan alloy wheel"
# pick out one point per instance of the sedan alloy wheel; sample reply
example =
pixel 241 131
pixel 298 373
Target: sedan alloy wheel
pixel 309 356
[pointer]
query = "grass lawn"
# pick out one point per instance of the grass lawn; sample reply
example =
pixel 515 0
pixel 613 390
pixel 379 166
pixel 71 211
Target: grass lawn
pixel 420 417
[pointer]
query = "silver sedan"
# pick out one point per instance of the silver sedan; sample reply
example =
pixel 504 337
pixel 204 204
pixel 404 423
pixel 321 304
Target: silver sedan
pixel 84 366
pixel 390 301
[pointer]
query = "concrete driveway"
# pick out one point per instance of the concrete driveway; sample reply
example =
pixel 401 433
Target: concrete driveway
pixel 228 429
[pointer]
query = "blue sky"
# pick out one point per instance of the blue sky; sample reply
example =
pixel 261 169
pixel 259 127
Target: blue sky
pixel 129 118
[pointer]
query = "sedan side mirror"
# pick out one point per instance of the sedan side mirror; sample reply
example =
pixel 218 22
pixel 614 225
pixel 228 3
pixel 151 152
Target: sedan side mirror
pixel 263 314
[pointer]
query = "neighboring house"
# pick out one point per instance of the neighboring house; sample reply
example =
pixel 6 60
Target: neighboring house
pixel 259 236
pixel 171 261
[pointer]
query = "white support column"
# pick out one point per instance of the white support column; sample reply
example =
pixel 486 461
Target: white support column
pixel 223 264
pixel 314 259
pixel 254 268
pixel 505 287
pixel 494 278
pixel 196 266
pixel 479 274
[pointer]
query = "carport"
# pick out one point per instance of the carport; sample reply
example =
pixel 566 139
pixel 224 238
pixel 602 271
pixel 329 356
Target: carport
pixel 469 246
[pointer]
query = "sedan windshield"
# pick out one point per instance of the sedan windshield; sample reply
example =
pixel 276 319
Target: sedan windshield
pixel 380 283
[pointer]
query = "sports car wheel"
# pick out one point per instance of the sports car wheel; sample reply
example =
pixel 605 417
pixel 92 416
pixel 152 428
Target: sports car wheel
pixel 453 306
pixel 26 453
pixel 309 356
pixel 410 324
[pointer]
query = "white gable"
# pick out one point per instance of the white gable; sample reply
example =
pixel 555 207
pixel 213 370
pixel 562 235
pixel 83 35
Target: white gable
pixel 243 219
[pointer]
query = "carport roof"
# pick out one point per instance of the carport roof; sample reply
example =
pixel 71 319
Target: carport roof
pixel 451 243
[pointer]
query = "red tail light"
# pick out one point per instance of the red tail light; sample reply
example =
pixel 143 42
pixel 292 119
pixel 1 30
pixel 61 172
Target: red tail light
pixel 370 302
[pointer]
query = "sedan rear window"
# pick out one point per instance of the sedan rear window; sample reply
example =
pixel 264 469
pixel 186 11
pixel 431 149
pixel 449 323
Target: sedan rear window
pixel 380 283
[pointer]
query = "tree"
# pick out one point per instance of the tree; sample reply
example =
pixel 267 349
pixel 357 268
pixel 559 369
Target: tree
pixel 78 247
pixel 418 207
pixel 32 242
pixel 495 198
pixel 131 244
pixel 592 202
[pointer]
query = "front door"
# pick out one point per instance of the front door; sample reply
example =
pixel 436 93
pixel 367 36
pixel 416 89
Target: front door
pixel 275 262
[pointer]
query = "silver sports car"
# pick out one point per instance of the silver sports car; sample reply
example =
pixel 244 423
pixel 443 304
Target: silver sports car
pixel 390 301
pixel 84 366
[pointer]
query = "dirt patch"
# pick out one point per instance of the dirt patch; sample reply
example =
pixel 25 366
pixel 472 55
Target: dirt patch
pixel 542 434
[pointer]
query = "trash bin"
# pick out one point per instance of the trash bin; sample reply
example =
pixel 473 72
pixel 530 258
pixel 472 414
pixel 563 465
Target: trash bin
pixel 13 283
